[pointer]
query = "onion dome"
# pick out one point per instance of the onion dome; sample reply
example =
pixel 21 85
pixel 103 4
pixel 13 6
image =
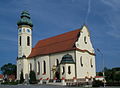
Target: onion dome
pixel 67 59
pixel 25 19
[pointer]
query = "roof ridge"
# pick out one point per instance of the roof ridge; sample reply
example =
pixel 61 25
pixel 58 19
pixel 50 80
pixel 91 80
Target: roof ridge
pixel 59 34
pixel 55 42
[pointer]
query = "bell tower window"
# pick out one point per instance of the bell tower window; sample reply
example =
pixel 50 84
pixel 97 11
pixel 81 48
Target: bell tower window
pixel 20 40
pixel 28 41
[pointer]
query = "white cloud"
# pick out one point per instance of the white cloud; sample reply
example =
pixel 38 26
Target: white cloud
pixel 113 22
pixel 112 19
pixel 8 38
pixel 115 4
pixel 114 33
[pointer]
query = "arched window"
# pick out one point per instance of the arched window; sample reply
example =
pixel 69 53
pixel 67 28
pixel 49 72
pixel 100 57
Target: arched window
pixel 20 40
pixel 81 61
pixel 28 41
pixel 69 70
pixel 38 67
pixel 63 70
pixel 30 67
pixel 91 63
pixel 57 62
pixel 85 40
pixel 44 67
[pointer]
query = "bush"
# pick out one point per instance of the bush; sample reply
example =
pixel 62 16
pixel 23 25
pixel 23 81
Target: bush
pixel 10 83
pixel 97 83
pixel 32 77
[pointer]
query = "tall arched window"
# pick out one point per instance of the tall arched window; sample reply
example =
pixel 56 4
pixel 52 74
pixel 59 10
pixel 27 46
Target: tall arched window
pixel 28 41
pixel 20 40
pixel 57 62
pixel 30 67
pixel 81 61
pixel 44 67
pixel 85 40
pixel 69 70
pixel 91 63
pixel 38 67
pixel 63 70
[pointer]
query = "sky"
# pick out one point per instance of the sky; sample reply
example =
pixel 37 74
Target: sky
pixel 53 17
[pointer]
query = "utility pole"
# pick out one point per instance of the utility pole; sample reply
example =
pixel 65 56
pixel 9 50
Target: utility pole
pixel 103 64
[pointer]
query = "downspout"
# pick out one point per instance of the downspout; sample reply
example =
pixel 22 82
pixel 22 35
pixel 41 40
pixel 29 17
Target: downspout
pixel 50 65
pixel 75 63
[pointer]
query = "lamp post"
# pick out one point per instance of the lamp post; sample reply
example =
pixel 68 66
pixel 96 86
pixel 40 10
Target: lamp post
pixel 103 64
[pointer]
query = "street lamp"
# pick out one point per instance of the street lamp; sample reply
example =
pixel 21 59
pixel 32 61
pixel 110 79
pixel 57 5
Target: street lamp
pixel 103 64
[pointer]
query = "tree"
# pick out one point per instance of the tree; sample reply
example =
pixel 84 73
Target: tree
pixel 32 77
pixel 21 77
pixel 9 69
pixel 117 76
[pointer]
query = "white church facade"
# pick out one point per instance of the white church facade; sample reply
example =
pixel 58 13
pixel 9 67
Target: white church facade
pixel 69 55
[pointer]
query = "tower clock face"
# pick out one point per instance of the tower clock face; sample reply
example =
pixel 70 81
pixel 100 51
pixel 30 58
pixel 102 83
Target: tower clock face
pixel 20 30
pixel 28 30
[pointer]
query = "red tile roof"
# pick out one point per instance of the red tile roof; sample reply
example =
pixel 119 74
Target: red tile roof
pixel 11 77
pixel 59 43
pixel 1 76
pixel 99 77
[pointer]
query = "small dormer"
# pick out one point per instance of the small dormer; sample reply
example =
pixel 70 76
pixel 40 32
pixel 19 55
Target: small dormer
pixel 67 67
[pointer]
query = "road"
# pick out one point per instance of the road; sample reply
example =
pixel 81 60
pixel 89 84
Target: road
pixel 41 86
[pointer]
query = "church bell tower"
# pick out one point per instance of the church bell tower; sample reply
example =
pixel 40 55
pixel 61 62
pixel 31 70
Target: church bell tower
pixel 24 35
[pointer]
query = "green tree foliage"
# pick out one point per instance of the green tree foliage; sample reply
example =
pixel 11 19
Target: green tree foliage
pixel 21 77
pixel 111 75
pixel 97 83
pixel 32 77
pixel 9 69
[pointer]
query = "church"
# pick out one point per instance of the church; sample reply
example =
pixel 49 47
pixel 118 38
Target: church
pixel 66 56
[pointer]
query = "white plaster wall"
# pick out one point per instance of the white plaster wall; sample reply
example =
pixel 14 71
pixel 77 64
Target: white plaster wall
pixel 86 70
pixel 41 59
pixel 22 65
pixel 25 67
pixel 19 68
pixel 50 61
pixel 24 49
pixel 61 71
pixel 33 64
pixel 58 56
pixel 66 75
pixel 70 76
pixel 81 44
